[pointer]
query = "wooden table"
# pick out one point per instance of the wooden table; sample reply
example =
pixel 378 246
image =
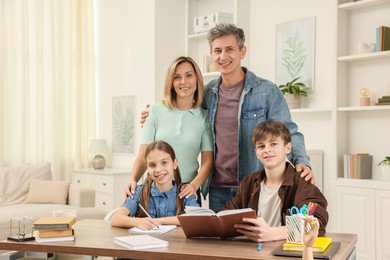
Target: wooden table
pixel 95 238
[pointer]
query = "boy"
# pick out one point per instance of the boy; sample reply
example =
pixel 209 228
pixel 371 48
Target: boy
pixel 274 189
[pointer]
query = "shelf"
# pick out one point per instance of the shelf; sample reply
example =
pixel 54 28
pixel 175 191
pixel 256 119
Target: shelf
pixel 211 74
pixel 365 56
pixel 310 110
pixel 197 36
pixel 363 108
pixel 361 4
pixel 364 183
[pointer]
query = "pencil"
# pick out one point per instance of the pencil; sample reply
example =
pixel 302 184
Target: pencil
pixel 147 214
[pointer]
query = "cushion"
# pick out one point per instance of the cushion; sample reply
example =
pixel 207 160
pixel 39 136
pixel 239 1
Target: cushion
pixel 49 192
pixel 15 181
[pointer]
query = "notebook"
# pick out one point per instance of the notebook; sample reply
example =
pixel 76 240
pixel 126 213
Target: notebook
pixel 162 229
pixel 140 242
pixel 320 245
pixel 327 254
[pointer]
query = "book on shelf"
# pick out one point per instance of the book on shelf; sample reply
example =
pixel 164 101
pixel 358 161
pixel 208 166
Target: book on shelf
pixel 320 245
pixel 382 103
pixel 357 166
pixel 52 239
pixel 140 242
pixel 383 38
pixel 54 223
pixel 162 229
pixel 383 99
pixel 55 233
pixel 203 222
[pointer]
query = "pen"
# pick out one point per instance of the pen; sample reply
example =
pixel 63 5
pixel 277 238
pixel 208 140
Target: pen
pixel 259 246
pixel 147 214
pixel 313 209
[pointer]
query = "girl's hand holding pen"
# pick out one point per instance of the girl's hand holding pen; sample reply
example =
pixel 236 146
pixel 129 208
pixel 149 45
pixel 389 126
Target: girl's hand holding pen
pixel 147 223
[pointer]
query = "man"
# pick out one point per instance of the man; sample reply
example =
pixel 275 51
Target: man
pixel 236 103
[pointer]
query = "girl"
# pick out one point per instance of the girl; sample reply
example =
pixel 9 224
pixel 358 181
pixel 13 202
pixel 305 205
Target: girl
pixel 159 196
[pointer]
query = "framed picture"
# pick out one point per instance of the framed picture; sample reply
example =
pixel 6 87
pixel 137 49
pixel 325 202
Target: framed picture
pixel 123 109
pixel 295 51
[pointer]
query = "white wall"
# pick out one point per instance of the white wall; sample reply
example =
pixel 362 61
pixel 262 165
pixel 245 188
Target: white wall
pixel 136 42
pixel 316 127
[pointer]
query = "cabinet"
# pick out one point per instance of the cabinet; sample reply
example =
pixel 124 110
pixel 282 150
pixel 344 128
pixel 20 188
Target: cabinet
pixel 358 129
pixel 357 126
pixel 108 184
pixel 364 210
pixel 196 43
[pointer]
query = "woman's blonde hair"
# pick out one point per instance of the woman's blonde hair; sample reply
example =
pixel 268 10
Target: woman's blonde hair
pixel 169 92
pixel 145 193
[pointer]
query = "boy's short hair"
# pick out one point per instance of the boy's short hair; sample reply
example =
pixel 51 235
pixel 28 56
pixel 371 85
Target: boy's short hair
pixel 271 128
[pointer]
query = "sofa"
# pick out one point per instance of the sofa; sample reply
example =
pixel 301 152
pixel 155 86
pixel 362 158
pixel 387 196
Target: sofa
pixel 31 191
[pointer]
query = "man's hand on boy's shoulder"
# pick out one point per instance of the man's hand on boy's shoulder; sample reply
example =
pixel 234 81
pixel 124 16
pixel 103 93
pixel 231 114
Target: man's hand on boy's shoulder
pixel 306 173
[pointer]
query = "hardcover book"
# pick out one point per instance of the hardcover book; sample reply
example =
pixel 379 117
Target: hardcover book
pixel 385 33
pixel 55 233
pixel 51 239
pixel 140 242
pixel 54 223
pixel 358 166
pixel 203 222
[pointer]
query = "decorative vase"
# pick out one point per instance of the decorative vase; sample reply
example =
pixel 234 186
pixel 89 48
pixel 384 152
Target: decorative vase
pixel 385 172
pixel 98 162
pixel 292 101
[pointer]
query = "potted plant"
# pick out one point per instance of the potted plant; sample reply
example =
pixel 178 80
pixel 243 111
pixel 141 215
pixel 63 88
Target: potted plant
pixel 293 91
pixel 385 168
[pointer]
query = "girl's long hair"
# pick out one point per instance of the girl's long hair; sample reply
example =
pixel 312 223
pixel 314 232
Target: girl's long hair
pixel 145 193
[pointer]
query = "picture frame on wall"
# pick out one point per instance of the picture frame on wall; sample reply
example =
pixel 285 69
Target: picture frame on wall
pixel 123 131
pixel 295 52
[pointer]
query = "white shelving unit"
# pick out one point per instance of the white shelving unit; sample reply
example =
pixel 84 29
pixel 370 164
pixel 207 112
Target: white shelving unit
pixel 358 129
pixel 196 43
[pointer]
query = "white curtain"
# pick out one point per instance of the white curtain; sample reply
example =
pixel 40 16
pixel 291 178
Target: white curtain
pixel 47 102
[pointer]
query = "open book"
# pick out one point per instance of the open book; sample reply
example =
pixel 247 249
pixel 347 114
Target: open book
pixel 203 222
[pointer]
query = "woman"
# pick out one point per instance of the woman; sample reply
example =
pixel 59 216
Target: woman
pixel 179 121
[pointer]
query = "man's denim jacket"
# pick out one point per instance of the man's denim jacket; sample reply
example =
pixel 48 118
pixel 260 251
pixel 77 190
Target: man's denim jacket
pixel 260 100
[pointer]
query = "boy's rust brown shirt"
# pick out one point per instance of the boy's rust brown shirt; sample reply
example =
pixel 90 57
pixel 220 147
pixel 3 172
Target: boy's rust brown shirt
pixel 294 191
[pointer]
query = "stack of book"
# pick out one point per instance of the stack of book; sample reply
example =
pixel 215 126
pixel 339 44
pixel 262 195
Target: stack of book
pixel 357 166
pixel 382 38
pixel 54 229
pixel 384 100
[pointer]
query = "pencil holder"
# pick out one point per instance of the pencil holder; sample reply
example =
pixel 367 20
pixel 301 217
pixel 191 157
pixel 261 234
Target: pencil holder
pixel 294 224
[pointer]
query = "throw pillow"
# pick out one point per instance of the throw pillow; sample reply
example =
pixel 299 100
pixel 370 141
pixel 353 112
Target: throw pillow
pixel 15 181
pixel 51 192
